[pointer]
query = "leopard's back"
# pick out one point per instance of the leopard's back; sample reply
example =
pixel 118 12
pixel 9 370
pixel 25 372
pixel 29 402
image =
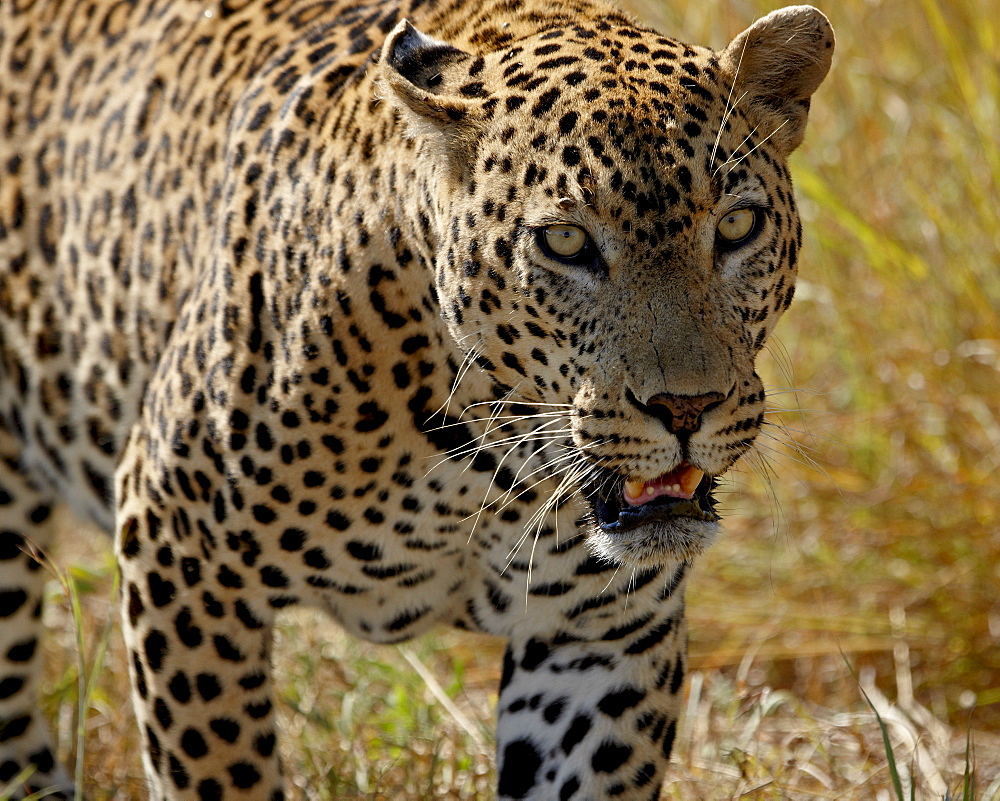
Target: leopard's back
pixel 123 125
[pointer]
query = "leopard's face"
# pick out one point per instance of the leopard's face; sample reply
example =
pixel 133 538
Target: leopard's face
pixel 619 239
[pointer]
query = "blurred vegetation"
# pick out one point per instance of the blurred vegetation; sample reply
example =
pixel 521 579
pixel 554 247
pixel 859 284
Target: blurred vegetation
pixel 870 530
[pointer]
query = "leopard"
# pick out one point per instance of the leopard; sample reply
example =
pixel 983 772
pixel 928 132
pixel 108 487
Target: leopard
pixel 419 312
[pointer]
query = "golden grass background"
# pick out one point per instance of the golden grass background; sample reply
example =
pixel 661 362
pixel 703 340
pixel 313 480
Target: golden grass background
pixel 873 540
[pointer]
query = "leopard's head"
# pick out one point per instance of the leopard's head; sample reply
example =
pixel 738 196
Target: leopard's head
pixel 616 235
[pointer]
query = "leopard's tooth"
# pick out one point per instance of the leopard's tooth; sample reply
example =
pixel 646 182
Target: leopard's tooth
pixel 690 479
pixel 634 488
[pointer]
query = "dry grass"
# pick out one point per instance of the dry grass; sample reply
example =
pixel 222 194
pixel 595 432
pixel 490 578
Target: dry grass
pixel 361 722
pixel 875 538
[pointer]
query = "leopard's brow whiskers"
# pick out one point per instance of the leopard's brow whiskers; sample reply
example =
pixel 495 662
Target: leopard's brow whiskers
pixel 735 163
pixel 730 106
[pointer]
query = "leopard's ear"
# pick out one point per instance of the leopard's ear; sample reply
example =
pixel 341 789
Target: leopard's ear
pixel 428 81
pixel 776 64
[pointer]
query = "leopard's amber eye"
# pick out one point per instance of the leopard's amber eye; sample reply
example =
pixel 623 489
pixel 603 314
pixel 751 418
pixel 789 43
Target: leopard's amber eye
pixel 565 241
pixel 737 225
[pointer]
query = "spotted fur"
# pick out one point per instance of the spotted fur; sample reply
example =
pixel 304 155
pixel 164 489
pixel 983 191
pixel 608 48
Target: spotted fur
pixel 279 308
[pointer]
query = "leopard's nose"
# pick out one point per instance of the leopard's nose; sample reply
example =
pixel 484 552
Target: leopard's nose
pixel 681 414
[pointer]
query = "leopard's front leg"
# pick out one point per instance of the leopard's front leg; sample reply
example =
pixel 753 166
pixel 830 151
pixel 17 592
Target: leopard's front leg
pixel 198 635
pixel 589 719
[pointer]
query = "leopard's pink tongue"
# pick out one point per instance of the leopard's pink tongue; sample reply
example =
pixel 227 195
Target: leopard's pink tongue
pixel 680 482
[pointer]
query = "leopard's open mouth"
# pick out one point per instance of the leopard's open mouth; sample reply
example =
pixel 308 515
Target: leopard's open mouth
pixel 621 504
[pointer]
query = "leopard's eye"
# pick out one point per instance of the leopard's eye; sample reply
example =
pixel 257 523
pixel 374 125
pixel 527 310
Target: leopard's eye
pixel 737 225
pixel 564 242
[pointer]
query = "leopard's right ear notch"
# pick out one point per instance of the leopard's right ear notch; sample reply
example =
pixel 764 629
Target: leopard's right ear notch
pixel 427 80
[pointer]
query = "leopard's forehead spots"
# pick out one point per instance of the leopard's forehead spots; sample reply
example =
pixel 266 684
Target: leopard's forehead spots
pixel 606 71
pixel 621 107
pixel 631 125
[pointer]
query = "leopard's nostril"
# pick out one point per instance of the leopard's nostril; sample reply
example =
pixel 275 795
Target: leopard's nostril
pixel 681 414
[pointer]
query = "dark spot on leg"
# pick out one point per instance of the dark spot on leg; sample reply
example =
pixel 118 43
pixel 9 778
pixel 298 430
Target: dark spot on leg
pixel 615 703
pixel 575 733
pixel 244 775
pixel 609 756
pixel 521 762
pixel 535 652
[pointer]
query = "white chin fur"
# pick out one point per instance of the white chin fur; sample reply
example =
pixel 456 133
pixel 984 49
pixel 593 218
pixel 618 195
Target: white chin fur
pixel 680 539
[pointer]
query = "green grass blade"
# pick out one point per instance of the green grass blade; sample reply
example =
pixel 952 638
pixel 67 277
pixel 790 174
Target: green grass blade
pixel 86 678
pixel 69 584
pixel 897 783
pixel 969 776
pixel 7 790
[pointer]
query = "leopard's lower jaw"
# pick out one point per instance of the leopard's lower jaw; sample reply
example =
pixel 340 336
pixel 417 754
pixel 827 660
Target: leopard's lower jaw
pixel 657 542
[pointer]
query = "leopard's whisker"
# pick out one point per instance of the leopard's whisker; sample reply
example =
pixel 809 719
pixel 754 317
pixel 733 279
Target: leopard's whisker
pixel 467 361
pixel 730 106
pixel 486 499
pixel 774 411
pixel 612 579
pixel 574 473
pixel 516 439
pixel 508 417
pixel 781 357
pixel 551 505
pixel 761 466
pixel 629 588
pixel 531 437
pixel 479 441
pixel 776 432
pixel 725 118
pixel 802 459
pixel 746 139
pixel 538 434
pixel 787 390
pixel 550 474
pixel 506 499
pixel 736 162
pixel 518 402
pixel 541 468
